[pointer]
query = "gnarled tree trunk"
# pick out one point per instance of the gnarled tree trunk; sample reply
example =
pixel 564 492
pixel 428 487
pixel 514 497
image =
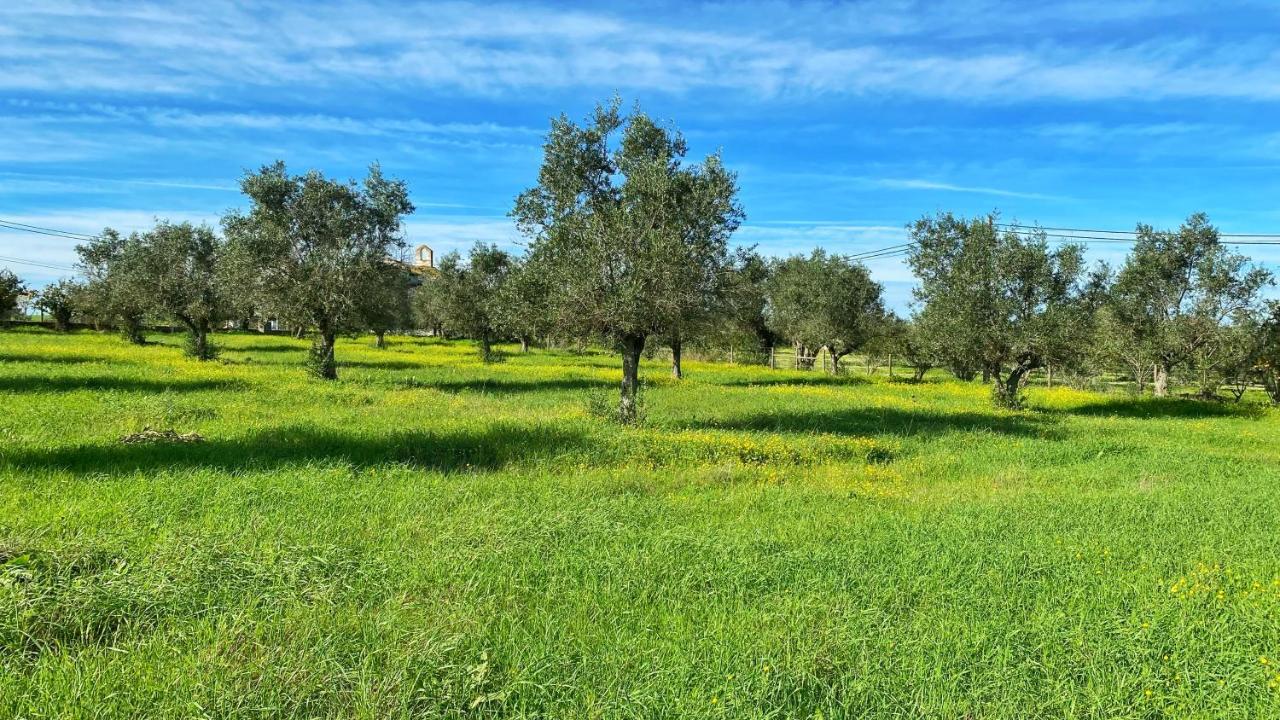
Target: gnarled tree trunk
pixel 676 371
pixel 1160 380
pixel 324 362
pixel 381 341
pixel 632 346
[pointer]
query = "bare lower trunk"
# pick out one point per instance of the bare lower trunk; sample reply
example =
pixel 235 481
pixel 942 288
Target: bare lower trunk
pixel 1160 380
pixel 524 344
pixel 835 362
pixel 198 344
pixel 1008 388
pixel 325 364
pixel 920 370
pixel 381 341
pixel 804 359
pixel 676 371
pixel 632 346
pixel 486 347
pixel 132 329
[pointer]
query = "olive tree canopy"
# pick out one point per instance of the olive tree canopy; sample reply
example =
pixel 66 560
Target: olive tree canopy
pixel 312 248
pixel 1003 300
pixel 823 300
pixel 1177 292
pixel 632 239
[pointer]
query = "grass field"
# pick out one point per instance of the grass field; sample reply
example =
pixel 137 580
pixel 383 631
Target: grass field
pixel 433 537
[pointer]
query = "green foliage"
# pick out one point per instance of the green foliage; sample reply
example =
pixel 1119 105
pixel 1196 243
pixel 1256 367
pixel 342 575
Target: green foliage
pixel 1175 295
pixel 117 292
pixel 825 301
pixel 385 306
pixel 11 289
pixel 472 296
pixel 59 299
pixel 310 249
pixel 998 300
pixel 427 303
pixel 178 264
pixel 633 241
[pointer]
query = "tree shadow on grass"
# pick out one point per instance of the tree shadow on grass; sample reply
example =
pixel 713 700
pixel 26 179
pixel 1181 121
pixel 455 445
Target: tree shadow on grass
pixel 884 421
pixel 494 448
pixel 815 380
pixel 269 348
pixel 494 386
pixel 1162 408
pixel 43 384
pixel 384 364
pixel 54 359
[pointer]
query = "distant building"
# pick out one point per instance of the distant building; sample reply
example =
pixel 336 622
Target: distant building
pixel 424 257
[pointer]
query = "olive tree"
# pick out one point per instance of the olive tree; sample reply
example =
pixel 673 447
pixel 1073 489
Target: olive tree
pixel 11 289
pixel 746 300
pixel 117 290
pixel 472 293
pixel 178 264
pixel 1175 293
pixel 59 300
pixel 522 303
pixel 317 247
pixel 427 304
pixel 823 300
pixel 633 239
pixel 385 306
pixel 1266 356
pixel 1011 302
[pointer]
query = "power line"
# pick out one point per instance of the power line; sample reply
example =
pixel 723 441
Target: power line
pixel 1129 232
pixel 36 263
pixel 15 225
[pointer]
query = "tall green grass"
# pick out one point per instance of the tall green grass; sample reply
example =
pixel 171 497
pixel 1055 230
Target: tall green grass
pixel 435 537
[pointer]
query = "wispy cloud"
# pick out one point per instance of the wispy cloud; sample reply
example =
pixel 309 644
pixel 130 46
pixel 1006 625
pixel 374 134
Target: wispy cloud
pixel 489 49
pixel 895 184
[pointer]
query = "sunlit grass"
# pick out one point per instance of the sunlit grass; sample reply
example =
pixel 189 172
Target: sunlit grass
pixel 432 536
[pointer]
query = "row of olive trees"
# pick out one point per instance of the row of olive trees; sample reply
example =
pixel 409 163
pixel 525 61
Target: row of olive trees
pixel 1003 303
pixel 310 252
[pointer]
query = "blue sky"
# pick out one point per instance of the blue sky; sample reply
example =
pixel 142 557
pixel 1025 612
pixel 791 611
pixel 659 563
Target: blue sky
pixel 844 120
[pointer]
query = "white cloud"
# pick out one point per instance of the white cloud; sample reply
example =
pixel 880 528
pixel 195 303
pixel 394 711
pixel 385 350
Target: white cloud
pixel 909 184
pixel 219 50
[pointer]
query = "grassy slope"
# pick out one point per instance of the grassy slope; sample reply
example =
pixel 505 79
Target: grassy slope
pixel 432 537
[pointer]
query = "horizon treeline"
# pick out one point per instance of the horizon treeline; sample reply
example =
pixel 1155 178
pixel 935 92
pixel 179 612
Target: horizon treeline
pixel 628 246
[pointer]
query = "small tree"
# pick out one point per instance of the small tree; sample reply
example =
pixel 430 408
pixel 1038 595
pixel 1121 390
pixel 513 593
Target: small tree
pixel 633 240
pixel 179 265
pixel 522 304
pixel 1266 356
pixel 385 307
pixel 472 293
pixel 317 247
pixel 117 290
pixel 825 301
pixel 1175 292
pixel 427 304
pixel 59 300
pixel 11 289
pixel 918 349
pixel 743 312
